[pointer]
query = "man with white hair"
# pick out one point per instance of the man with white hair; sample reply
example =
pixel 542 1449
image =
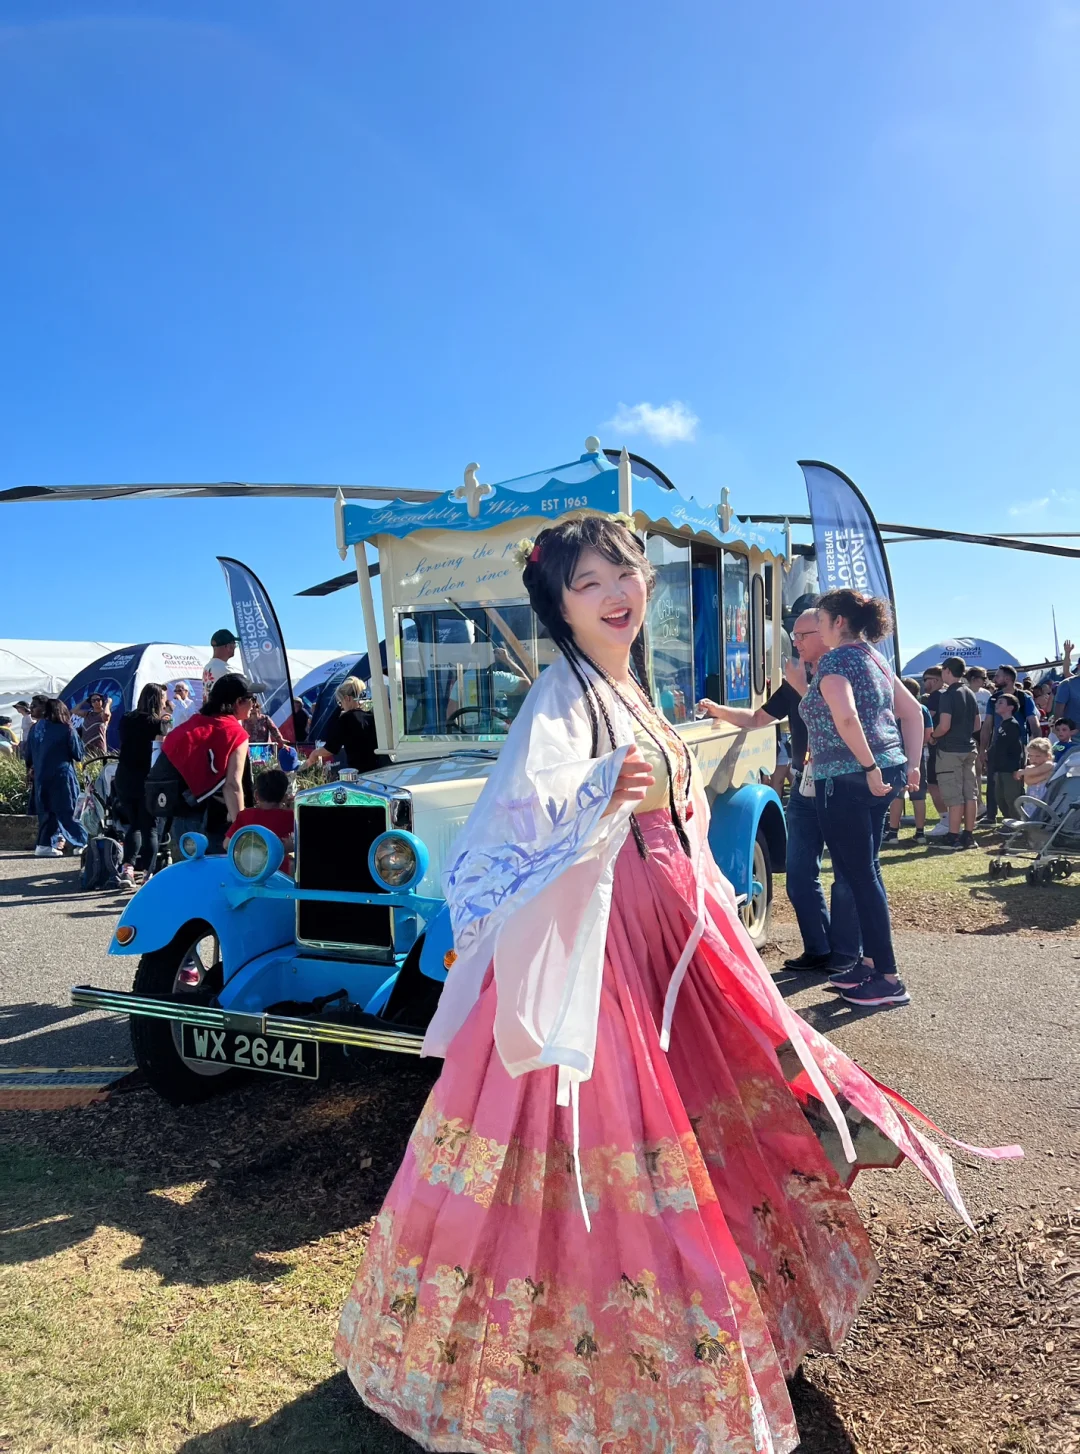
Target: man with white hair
pixel 831 941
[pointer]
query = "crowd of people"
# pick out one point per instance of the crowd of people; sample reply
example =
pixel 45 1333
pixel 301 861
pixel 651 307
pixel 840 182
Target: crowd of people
pixel 182 764
pixel 861 739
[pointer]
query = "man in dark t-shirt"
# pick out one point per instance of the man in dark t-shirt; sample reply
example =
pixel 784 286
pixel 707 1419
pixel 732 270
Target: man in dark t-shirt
pixel 831 941
pixel 931 700
pixel 954 735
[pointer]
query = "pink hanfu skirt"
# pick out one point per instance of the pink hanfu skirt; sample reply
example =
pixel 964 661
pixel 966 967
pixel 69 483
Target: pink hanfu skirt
pixel 723 1243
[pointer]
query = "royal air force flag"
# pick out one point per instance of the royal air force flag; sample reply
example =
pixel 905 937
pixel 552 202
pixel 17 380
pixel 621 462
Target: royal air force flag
pixel 262 647
pixel 847 542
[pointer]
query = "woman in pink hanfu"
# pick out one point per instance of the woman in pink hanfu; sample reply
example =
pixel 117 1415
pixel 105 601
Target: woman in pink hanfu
pixel 618 1225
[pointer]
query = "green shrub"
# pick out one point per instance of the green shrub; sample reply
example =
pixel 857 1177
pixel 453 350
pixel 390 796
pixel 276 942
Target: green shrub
pixel 14 797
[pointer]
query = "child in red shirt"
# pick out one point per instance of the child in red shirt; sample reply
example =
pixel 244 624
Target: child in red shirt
pixel 271 791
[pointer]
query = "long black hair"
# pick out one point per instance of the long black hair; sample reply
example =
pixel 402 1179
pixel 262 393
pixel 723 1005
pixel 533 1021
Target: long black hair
pixel 548 572
pixel 56 711
pixel 152 699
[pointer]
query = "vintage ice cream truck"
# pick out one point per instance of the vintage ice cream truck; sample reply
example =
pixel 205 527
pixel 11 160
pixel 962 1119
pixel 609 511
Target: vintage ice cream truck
pixel 242 967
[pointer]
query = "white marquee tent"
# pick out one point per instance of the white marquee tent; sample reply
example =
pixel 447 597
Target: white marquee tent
pixel 31 666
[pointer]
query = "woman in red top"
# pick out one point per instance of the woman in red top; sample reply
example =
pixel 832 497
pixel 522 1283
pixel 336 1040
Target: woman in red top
pixel 210 752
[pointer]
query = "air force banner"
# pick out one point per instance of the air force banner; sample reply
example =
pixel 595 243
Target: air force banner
pixel 847 542
pixel 262 648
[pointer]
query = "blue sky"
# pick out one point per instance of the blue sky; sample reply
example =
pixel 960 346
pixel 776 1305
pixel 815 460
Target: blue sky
pixel 340 241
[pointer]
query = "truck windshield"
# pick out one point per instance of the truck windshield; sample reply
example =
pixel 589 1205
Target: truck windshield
pixel 465 670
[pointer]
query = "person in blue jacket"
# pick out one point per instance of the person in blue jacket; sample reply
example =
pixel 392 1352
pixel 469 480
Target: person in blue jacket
pixel 53 747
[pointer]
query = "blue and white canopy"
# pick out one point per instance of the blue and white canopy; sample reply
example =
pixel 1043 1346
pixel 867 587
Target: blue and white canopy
pixel 591 482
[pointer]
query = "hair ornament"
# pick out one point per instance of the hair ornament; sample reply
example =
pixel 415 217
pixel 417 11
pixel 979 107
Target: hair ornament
pixel 622 518
pixel 524 552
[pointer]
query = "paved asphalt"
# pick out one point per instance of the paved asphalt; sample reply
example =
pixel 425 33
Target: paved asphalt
pixel 51 937
pixel 988 1047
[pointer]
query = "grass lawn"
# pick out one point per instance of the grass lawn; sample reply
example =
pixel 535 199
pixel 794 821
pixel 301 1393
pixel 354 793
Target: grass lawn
pixel 172 1279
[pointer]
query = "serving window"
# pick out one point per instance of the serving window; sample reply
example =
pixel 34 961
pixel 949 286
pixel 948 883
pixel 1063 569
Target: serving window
pixel 466 670
pixel 670 628
pixel 467 667
pixel 736 619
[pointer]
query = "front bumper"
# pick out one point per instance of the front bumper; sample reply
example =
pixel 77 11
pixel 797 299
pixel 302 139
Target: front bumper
pixel 123 1002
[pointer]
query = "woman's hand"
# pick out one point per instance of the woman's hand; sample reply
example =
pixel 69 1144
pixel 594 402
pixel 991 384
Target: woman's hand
pixel 633 783
pixel 913 776
pixel 877 784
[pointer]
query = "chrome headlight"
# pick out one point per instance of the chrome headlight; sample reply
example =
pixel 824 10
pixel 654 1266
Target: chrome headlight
pixel 255 853
pixel 397 860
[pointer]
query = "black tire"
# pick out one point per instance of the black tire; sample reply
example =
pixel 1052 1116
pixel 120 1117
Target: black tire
pixel 157 1042
pixel 756 912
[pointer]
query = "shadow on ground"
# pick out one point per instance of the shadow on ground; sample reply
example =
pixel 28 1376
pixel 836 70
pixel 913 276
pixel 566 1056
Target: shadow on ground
pixel 330 1419
pixel 271 1166
pixel 62 1036
pixel 55 881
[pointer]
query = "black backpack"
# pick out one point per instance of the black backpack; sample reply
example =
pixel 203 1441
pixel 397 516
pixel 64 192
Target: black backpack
pixel 166 791
pixel 101 861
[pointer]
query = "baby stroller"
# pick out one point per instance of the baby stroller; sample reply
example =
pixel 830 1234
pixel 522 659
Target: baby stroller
pixel 96 810
pixel 93 807
pixel 100 812
pixel 1049 829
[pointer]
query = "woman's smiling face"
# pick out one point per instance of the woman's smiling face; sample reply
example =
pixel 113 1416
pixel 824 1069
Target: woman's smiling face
pixel 604 604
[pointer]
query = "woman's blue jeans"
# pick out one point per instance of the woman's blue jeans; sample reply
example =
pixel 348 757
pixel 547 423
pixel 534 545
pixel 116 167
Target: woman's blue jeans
pixel 851 821
pixel 836 934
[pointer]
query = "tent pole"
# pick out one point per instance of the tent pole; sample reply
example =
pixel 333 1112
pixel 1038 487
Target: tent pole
pixel 380 698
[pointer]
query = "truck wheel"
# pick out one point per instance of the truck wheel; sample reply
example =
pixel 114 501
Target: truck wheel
pixel 755 912
pixel 187 970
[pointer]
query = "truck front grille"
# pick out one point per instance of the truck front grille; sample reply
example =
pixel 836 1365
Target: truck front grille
pixel 332 845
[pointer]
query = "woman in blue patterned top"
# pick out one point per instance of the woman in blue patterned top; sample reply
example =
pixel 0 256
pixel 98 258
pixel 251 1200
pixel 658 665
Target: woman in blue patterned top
pixel 865 731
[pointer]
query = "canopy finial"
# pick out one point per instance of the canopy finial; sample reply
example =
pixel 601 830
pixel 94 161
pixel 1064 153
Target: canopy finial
pixel 472 491
pixel 592 445
pixel 725 510
pixel 625 503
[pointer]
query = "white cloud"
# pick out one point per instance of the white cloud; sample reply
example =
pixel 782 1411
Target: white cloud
pixel 1041 502
pixel 673 423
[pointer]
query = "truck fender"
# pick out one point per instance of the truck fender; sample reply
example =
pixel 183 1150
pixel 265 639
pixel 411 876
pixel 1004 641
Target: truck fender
pixel 438 946
pixel 195 890
pixel 736 818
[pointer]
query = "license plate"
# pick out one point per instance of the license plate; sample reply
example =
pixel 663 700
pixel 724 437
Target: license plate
pixel 274 1054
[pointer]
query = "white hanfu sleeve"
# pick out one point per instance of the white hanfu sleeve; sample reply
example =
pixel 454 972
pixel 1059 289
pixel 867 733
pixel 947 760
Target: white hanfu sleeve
pixel 529 883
